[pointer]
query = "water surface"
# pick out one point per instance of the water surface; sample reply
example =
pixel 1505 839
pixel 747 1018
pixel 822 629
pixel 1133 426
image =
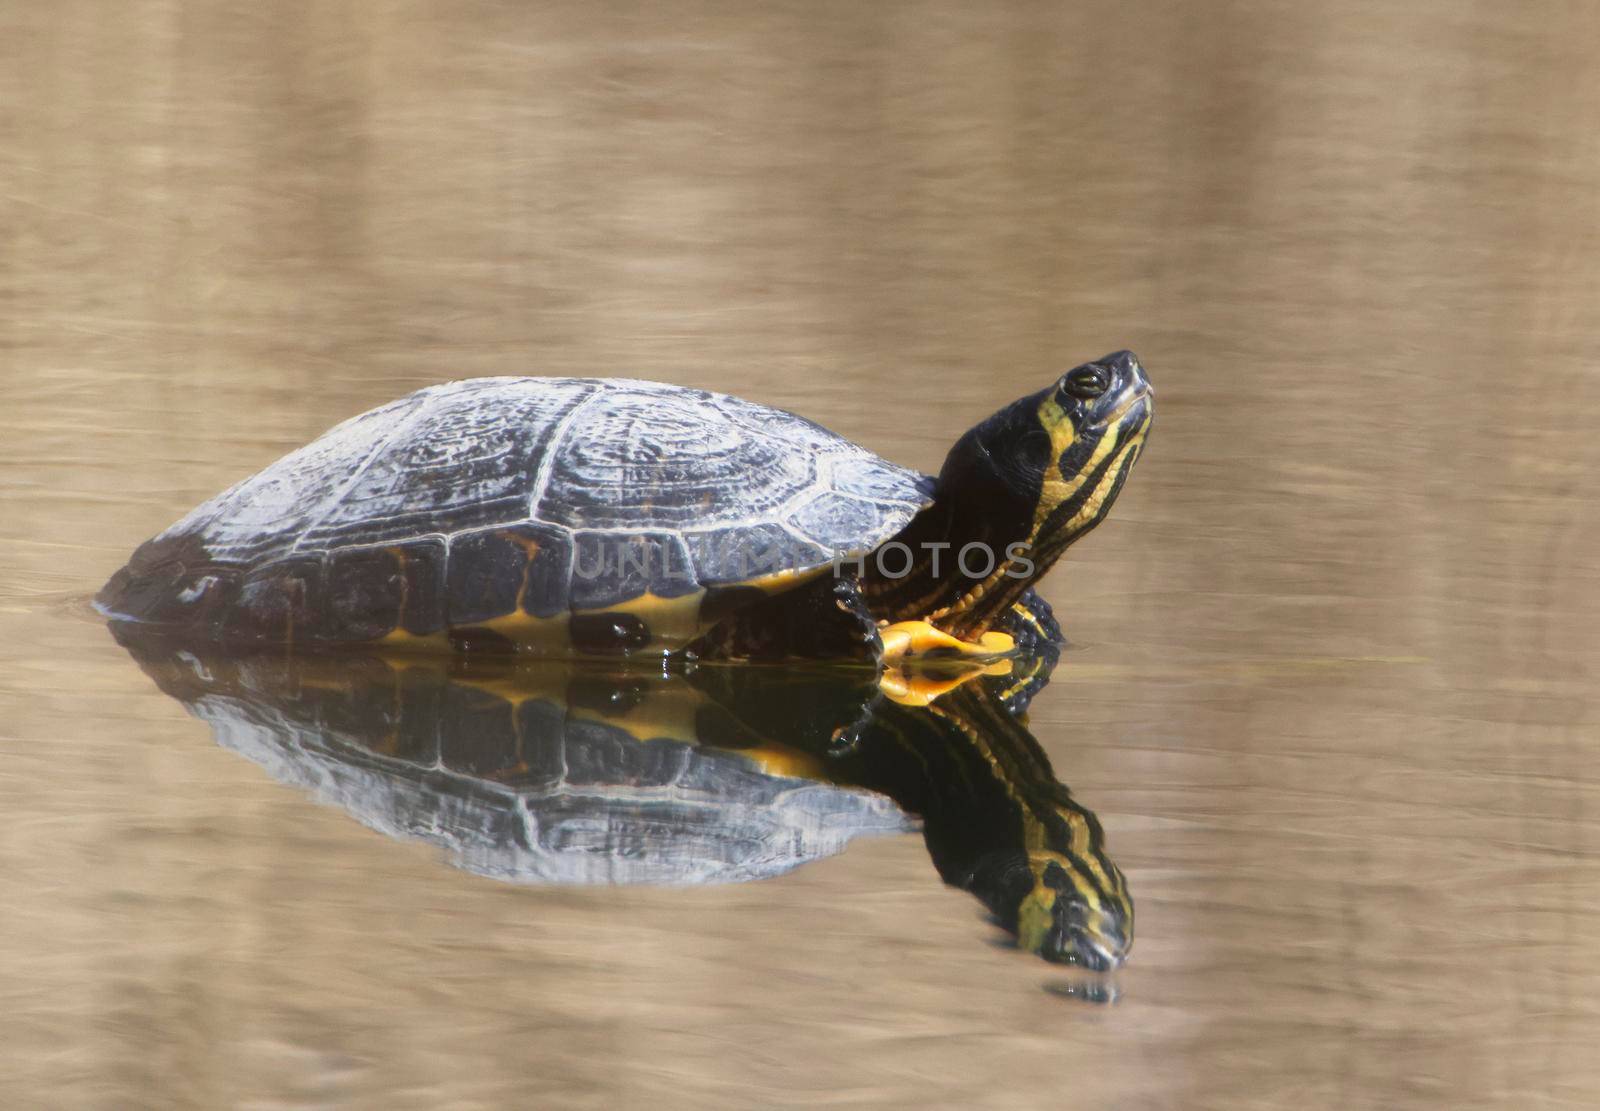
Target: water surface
pixel 1331 687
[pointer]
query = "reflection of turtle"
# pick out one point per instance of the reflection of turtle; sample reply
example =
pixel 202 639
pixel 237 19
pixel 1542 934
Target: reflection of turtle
pixel 613 516
pixel 998 823
pixel 548 773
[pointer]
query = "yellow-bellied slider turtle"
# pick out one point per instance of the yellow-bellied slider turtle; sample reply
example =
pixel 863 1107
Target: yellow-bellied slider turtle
pixel 611 516
pixel 540 771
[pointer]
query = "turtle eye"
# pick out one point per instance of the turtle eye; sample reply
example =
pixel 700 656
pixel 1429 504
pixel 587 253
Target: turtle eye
pixel 1086 382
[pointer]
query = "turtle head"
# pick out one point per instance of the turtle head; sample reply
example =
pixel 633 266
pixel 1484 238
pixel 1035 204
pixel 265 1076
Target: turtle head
pixel 1069 919
pixel 1045 469
pixel 1096 416
pixel 1020 487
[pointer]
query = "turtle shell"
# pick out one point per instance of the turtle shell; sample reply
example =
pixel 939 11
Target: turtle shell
pixel 561 512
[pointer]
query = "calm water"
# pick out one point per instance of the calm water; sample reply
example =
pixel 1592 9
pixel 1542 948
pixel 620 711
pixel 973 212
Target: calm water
pixel 1331 688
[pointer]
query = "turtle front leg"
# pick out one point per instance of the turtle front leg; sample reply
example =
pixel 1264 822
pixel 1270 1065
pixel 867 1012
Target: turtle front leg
pixel 824 619
pixel 1039 640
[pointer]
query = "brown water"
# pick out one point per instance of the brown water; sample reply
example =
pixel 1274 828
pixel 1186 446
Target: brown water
pixel 1332 684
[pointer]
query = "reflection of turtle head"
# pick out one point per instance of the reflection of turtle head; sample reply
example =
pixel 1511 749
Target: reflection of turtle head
pixel 1077 909
pixel 999 824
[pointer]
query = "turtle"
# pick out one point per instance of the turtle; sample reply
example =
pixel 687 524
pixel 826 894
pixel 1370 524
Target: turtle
pixel 548 771
pixel 616 517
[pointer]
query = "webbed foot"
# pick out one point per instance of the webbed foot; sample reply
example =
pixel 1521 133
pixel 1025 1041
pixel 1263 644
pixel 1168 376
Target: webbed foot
pixel 916 686
pixel 918 640
pixel 1038 648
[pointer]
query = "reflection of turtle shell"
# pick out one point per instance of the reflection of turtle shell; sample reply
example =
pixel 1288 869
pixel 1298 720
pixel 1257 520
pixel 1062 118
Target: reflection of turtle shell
pixel 556 772
pixel 508 505
pixel 536 776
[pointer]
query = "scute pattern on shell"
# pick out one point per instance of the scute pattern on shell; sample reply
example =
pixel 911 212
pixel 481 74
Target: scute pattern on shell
pixel 733 488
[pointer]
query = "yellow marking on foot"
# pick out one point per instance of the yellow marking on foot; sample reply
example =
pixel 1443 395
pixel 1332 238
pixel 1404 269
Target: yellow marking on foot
pixel 923 688
pixel 909 640
pixel 922 685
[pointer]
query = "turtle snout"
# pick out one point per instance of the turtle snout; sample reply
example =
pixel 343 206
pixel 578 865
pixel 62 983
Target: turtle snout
pixel 1127 373
pixel 1076 922
pixel 1097 940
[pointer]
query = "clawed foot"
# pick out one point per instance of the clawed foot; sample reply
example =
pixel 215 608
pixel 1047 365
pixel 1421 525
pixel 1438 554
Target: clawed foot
pixel 922 662
pixel 918 640
pixel 919 687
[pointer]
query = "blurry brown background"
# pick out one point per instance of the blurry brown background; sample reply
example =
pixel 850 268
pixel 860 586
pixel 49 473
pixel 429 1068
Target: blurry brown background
pixel 1332 688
